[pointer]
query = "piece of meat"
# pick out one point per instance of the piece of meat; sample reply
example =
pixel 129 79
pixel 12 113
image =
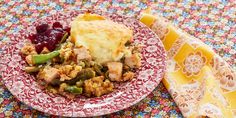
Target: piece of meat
pixel 115 71
pixel 133 61
pixel 96 87
pixel 49 74
pixel 82 53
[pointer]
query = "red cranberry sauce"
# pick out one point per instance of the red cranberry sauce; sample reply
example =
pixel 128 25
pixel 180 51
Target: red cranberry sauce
pixel 46 37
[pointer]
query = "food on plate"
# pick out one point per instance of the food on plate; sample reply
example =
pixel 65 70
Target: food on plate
pixel 98 86
pixel 86 58
pixel 101 36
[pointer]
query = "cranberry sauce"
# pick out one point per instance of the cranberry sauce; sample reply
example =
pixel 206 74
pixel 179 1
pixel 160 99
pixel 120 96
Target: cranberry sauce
pixel 48 37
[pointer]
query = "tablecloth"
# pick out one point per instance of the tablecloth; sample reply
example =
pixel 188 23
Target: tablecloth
pixel 206 20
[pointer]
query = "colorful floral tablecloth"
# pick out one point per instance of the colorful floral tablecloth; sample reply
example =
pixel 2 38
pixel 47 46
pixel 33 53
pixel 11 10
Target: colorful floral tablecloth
pixel 205 20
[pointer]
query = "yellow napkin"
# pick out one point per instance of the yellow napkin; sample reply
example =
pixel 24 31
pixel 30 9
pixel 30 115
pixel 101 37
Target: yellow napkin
pixel 200 82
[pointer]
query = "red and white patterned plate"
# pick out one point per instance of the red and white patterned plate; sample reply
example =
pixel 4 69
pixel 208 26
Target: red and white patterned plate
pixel 24 87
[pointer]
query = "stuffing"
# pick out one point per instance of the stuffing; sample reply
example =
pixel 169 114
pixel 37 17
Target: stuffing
pixel 61 91
pixel 68 72
pixel 96 87
pixel 65 69
pixel 66 51
pixel 64 77
pixel 128 76
pixel 75 71
pixel 62 87
pixel 28 49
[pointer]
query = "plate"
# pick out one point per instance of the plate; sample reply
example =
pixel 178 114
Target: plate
pixel 24 87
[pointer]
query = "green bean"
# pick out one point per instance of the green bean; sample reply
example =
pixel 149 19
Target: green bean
pixel 43 58
pixel 74 89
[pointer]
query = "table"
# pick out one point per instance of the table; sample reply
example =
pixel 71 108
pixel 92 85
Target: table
pixel 212 22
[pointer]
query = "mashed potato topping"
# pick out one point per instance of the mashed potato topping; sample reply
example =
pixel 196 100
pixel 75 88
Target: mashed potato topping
pixel 104 38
